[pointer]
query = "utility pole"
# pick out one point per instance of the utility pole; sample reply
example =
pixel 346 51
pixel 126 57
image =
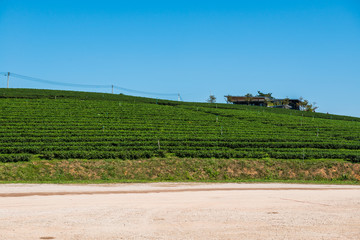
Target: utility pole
pixel 112 89
pixel 8 79
pixel 178 97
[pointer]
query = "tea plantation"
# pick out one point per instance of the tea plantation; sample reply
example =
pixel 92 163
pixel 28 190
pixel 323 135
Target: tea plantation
pixel 49 124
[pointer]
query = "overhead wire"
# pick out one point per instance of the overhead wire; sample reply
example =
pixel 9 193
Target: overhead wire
pixel 87 85
pixel 142 92
pixel 58 83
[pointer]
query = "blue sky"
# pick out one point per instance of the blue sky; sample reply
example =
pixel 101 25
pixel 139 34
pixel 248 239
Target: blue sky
pixel 291 48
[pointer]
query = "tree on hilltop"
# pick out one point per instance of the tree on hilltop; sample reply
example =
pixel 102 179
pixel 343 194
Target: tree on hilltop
pixel 304 105
pixel 211 99
pixel 266 95
pixel 248 97
pixel 286 101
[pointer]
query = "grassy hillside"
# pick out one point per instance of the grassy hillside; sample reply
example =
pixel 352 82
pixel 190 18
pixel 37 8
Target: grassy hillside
pixel 53 125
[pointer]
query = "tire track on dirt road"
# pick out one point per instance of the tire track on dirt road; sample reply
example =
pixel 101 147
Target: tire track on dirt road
pixel 28 194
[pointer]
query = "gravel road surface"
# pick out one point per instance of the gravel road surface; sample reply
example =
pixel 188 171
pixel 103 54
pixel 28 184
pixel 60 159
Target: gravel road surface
pixel 179 211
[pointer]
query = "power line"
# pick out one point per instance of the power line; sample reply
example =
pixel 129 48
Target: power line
pixel 58 83
pixel 142 92
pixel 87 85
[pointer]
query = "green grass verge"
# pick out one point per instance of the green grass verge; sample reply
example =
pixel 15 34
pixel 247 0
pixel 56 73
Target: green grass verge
pixel 180 169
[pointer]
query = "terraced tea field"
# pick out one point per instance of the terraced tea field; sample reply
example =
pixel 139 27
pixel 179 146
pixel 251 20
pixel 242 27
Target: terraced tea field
pixel 49 125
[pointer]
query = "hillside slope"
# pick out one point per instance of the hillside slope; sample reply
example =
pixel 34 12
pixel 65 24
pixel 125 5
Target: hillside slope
pixel 50 124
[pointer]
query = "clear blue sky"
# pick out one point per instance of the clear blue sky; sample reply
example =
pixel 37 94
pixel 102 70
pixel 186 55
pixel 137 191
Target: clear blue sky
pixel 290 48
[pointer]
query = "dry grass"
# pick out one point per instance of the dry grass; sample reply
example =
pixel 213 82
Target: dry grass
pixel 176 169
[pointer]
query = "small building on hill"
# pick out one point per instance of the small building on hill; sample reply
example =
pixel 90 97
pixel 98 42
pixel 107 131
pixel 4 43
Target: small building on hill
pixel 264 102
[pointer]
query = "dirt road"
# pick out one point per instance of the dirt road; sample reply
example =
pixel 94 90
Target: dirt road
pixel 179 211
